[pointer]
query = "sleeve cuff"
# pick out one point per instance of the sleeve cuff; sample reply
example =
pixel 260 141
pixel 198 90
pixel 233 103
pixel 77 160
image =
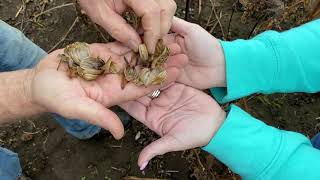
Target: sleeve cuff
pixel 251 67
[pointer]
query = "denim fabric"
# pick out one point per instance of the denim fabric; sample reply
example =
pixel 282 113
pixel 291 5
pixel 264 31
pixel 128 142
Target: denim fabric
pixel 316 141
pixel 9 165
pixel 18 52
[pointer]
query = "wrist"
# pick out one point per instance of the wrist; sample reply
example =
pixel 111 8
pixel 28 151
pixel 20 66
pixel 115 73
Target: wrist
pixel 16 95
pixel 222 82
pixel 218 121
pixel 28 99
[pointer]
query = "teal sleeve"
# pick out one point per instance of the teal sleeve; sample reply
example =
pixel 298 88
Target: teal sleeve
pixel 255 150
pixel 272 62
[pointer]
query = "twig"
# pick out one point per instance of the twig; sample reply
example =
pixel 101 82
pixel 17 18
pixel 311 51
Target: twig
pixel 137 178
pixel 215 24
pixel 118 169
pixel 209 19
pixel 23 15
pixel 245 104
pixel 54 8
pixel 45 2
pixel 32 133
pixel 230 20
pixel 213 2
pixel 316 11
pixel 44 143
pixel 32 123
pixel 40 14
pixel 213 27
pixel 19 11
pixel 117 146
pixel 200 7
pixel 256 25
pixel 172 171
pixel 64 37
pixel 198 159
pixel 98 29
pixel 187 10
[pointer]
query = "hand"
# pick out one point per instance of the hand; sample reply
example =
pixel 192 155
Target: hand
pixel 206 67
pixel 156 19
pixel 184 117
pixel 76 98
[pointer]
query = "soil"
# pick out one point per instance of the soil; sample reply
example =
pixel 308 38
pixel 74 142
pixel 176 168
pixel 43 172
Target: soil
pixel 46 151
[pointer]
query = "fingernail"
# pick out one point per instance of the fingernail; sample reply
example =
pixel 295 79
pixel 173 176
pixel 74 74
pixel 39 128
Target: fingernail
pixel 133 45
pixel 144 165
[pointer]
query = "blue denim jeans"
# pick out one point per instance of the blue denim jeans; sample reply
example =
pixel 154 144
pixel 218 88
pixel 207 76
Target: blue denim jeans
pixel 18 52
pixel 316 141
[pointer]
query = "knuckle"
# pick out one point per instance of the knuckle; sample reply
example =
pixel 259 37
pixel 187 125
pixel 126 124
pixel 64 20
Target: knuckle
pixel 169 8
pixel 153 9
pixel 117 33
pixel 172 6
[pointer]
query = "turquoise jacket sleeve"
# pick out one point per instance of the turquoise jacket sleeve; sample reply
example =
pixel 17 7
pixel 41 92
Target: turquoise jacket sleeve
pixel 254 150
pixel 271 62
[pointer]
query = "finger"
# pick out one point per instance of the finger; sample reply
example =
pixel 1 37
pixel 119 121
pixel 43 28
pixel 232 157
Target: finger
pixel 169 38
pixel 114 47
pixel 182 43
pixel 174 49
pixel 178 61
pixel 145 100
pixel 158 147
pixel 131 91
pixel 136 109
pixel 119 29
pixel 150 13
pixel 168 9
pixel 95 113
pixel 181 26
pixel 111 50
pixel 54 59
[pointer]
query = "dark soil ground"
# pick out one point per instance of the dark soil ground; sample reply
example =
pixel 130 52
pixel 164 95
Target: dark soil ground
pixel 47 152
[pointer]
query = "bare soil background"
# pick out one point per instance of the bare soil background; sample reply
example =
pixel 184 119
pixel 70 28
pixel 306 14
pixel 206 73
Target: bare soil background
pixel 47 152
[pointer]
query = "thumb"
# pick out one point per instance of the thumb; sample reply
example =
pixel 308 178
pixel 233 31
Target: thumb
pixel 158 147
pixel 181 26
pixel 95 113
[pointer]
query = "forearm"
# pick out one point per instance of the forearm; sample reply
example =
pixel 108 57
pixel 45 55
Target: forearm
pixel 257 151
pixel 273 62
pixel 15 93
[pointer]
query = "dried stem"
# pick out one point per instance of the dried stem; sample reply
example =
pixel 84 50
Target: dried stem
pixel 256 25
pixel 24 6
pixel 209 19
pixel 101 33
pixel 200 7
pixel 213 2
pixel 316 11
pixel 198 159
pixel 54 8
pixel 230 20
pixel 137 178
pixel 187 10
pixel 64 37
